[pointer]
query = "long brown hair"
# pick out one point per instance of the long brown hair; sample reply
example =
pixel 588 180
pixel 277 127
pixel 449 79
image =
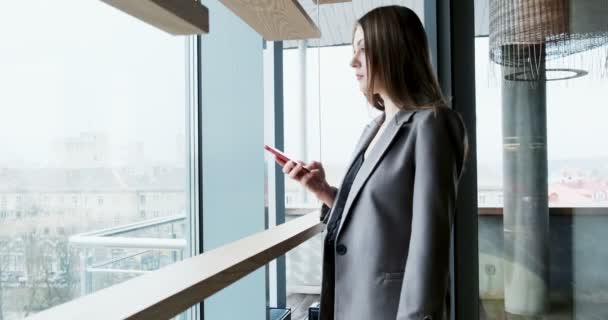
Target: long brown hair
pixel 397 54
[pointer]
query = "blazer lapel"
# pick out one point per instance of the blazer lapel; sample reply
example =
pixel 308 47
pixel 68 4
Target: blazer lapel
pixel 374 156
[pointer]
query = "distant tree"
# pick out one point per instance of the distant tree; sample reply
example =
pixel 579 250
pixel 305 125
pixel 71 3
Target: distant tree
pixel 4 251
pixel 50 273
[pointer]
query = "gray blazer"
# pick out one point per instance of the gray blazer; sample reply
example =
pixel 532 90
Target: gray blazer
pixel 394 237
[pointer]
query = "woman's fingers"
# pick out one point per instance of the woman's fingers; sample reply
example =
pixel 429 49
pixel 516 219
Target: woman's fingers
pixel 288 166
pixel 295 171
pixel 292 169
pixel 280 162
pixel 309 175
pixel 302 172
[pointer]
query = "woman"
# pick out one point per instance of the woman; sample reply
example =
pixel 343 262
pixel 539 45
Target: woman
pixel 386 250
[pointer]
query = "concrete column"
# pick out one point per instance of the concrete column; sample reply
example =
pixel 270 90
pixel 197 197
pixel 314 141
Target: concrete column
pixel 526 213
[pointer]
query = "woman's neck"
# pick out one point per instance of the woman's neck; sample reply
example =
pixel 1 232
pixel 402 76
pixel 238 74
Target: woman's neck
pixel 390 107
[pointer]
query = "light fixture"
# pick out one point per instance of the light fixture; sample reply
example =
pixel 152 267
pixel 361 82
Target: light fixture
pixel 524 33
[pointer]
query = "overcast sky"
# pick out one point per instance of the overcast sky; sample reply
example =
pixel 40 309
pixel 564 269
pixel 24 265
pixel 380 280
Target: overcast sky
pixel 68 67
pixel 75 66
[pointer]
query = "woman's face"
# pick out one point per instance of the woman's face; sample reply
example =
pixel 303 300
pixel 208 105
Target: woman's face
pixel 359 62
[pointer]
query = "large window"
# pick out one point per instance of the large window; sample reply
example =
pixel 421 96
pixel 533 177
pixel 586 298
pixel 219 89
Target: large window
pixel 94 137
pixel 534 261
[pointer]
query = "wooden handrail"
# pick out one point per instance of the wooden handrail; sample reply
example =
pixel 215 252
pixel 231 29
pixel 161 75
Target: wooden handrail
pixel 171 290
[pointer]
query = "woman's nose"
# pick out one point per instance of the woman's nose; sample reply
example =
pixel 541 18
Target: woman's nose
pixel 354 63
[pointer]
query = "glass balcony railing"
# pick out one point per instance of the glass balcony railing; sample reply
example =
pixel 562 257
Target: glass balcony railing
pixel 113 255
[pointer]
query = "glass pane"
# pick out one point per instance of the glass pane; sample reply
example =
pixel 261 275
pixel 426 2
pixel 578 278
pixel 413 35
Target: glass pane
pixel 542 185
pixel 93 133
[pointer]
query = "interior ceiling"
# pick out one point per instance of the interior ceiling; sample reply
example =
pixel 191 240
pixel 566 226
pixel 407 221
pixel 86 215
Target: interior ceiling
pixel 337 20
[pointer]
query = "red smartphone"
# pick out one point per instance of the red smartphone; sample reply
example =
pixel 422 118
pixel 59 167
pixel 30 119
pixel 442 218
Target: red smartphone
pixel 280 155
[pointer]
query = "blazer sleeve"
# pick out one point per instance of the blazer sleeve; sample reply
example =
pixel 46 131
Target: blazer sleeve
pixel 325 209
pixel 425 278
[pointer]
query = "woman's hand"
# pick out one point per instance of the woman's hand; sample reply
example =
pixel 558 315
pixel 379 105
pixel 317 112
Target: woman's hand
pixel 313 180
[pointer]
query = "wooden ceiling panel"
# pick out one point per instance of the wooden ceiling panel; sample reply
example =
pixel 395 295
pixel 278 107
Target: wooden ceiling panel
pixel 275 19
pixel 177 17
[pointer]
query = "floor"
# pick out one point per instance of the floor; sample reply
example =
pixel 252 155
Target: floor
pixel 489 310
pixel 494 310
pixel 299 304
